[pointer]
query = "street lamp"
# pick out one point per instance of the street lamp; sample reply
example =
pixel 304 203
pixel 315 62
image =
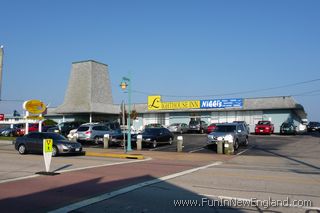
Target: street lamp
pixel 124 84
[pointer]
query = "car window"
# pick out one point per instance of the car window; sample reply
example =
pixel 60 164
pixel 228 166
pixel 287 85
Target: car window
pixel 225 128
pixel 83 128
pixel 34 135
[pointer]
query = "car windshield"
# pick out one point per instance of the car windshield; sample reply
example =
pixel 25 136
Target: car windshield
pixel 264 122
pixel 286 124
pixel 225 128
pixel 151 131
pixel 54 136
pixel 194 122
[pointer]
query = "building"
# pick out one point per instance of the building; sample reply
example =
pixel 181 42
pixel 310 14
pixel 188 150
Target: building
pixel 89 98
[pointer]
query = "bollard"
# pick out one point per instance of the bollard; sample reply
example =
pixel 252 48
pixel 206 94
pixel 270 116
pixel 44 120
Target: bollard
pixel 220 147
pixel 228 148
pixel 106 141
pixel 179 144
pixel 139 142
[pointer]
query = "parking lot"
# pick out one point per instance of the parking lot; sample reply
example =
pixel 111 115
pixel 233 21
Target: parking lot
pixel 273 166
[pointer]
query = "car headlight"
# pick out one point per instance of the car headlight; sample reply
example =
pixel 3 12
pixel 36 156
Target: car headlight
pixel 229 138
pixel 148 139
pixel 210 137
pixel 66 146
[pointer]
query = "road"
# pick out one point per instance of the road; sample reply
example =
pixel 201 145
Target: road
pixel 273 168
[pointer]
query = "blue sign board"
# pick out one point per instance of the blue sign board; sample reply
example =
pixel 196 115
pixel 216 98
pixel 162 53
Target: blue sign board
pixel 221 103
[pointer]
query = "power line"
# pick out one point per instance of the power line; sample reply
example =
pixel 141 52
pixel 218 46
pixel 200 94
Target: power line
pixel 227 94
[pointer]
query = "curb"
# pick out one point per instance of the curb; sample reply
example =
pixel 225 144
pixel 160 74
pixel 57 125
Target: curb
pixel 109 155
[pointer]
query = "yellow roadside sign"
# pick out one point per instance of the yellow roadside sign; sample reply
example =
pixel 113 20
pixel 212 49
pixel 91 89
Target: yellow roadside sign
pixel 47 143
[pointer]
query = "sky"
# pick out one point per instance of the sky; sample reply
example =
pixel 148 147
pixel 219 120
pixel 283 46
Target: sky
pixel 180 49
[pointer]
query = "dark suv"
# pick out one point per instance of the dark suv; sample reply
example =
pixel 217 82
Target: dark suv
pixel 198 126
pixel 313 126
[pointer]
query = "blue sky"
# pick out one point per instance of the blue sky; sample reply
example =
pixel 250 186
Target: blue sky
pixel 171 47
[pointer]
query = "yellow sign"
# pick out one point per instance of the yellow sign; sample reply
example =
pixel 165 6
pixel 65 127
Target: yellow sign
pixel 154 103
pixel 47 143
pixel 34 106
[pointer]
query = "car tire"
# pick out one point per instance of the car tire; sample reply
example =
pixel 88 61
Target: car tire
pixel 96 140
pixel 170 141
pixel 22 149
pixel 236 145
pixel 154 144
pixel 55 151
pixel 246 143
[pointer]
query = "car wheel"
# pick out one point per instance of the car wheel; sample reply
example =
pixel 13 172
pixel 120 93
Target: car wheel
pixel 246 143
pixel 170 141
pixel 96 140
pixel 154 144
pixel 55 151
pixel 236 145
pixel 22 149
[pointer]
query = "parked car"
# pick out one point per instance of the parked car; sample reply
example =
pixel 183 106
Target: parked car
pixel 32 127
pixel 313 126
pixel 288 128
pixel 10 132
pixel 119 138
pixel 264 127
pixel 198 126
pixel 236 132
pixel 33 143
pixel 178 128
pixel 93 132
pixel 211 128
pixel 153 125
pixel 65 127
pixel 245 124
pixel 155 136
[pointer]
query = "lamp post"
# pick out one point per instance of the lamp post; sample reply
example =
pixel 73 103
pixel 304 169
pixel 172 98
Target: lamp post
pixel 124 84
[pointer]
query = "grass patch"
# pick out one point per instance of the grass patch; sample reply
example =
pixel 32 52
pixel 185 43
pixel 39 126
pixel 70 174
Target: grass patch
pixel 7 138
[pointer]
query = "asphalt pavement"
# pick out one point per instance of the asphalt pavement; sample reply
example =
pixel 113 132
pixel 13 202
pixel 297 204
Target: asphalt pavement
pixel 273 167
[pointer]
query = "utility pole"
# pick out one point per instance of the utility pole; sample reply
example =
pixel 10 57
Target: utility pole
pixel 1 66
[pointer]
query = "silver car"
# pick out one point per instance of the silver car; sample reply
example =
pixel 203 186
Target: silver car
pixel 92 132
pixel 178 128
pixel 232 132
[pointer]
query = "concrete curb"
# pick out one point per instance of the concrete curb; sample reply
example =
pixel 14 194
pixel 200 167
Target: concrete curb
pixel 112 155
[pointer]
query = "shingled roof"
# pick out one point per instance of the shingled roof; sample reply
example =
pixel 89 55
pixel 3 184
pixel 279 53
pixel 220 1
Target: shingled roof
pixel 88 90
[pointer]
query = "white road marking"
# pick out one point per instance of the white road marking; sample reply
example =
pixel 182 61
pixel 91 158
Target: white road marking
pixel 196 150
pixel 76 169
pixel 109 195
pixel 240 153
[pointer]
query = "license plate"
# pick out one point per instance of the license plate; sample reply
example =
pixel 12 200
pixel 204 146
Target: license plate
pixel 261 130
pixel 77 149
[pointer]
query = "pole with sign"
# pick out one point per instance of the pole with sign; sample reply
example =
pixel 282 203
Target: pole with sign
pixel 47 152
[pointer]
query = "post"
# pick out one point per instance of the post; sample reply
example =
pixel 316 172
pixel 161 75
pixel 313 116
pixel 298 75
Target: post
pixel 129 117
pixel 228 148
pixel 123 123
pixel 139 142
pixel 106 141
pixel 179 143
pixel 27 123
pixel 220 146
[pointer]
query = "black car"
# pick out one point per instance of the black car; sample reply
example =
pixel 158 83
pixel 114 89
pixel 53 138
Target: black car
pixel 154 136
pixel 313 126
pixel 288 128
pixel 33 143
pixel 65 127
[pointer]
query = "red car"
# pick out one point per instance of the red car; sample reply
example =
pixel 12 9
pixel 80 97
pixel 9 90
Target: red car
pixel 264 127
pixel 211 128
pixel 32 128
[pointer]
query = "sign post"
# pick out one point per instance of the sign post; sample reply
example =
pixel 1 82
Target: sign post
pixel 47 153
